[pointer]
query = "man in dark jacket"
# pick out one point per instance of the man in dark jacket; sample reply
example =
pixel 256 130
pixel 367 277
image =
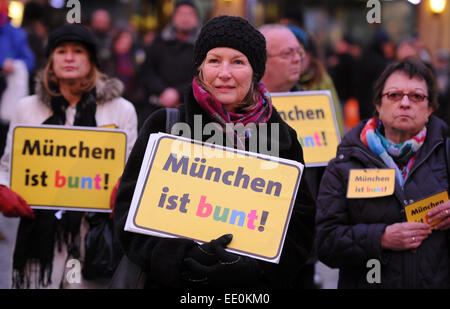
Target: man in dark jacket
pixel 168 69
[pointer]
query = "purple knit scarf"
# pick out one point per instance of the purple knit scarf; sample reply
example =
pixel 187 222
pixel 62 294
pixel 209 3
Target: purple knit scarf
pixel 260 114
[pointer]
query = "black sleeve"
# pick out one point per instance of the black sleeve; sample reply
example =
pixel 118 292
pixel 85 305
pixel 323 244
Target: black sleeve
pixel 340 242
pixel 299 240
pixel 159 257
pixel 150 78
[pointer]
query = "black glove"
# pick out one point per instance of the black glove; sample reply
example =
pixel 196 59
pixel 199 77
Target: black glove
pixel 167 261
pixel 210 264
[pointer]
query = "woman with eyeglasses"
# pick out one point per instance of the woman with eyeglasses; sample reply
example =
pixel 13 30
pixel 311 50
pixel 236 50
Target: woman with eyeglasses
pixel 367 234
pixel 314 76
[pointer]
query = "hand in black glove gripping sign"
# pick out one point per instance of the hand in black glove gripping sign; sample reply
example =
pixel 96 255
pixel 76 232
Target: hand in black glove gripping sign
pixel 211 264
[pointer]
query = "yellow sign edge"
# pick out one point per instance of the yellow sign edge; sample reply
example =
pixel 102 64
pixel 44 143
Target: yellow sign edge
pixel 256 155
pixel 76 128
pixel 330 101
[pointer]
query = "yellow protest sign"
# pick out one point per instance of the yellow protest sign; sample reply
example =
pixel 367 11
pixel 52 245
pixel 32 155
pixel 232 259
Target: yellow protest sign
pixel 417 212
pixel 368 183
pixel 183 192
pixel 55 167
pixel 311 114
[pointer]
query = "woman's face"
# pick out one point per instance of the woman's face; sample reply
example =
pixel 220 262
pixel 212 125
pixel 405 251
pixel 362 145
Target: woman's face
pixel 71 61
pixel 227 73
pixel 402 117
pixel 123 43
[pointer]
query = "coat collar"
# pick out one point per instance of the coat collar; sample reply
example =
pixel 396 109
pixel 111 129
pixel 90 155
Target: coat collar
pixel 192 108
pixel 437 130
pixel 107 89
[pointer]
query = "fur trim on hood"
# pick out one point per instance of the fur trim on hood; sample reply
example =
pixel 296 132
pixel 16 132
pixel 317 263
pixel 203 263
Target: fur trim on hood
pixel 108 88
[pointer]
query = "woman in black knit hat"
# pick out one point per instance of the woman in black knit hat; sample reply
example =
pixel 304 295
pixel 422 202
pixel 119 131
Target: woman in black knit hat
pixel 229 57
pixel 70 91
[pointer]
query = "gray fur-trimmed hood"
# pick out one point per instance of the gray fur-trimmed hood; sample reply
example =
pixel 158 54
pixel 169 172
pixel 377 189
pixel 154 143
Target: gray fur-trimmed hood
pixel 108 88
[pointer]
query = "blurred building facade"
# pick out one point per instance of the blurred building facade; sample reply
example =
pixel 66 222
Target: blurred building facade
pixel 434 28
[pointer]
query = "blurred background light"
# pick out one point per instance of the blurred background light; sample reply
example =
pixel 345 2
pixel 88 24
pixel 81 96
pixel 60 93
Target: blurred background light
pixel 437 6
pixel 57 4
pixel 16 13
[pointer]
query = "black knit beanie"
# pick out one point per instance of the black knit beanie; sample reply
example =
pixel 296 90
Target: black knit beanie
pixel 73 33
pixel 236 33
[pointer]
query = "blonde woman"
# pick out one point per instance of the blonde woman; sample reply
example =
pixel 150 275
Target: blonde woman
pixel 70 92
pixel 230 57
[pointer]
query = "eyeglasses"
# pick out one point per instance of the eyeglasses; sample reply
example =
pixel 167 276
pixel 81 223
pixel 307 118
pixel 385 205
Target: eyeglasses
pixel 398 95
pixel 288 54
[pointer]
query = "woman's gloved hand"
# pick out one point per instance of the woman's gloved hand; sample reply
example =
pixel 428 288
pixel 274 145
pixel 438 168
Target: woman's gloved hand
pixel 13 205
pixel 212 265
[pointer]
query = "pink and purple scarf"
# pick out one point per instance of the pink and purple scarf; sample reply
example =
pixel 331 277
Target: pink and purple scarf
pixel 260 114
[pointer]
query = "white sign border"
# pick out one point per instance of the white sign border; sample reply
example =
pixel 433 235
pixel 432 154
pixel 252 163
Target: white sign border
pixel 154 139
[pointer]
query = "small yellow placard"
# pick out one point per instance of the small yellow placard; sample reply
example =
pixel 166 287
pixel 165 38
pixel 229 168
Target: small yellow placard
pixel 202 191
pixel 76 168
pixel 369 183
pixel 417 212
pixel 311 114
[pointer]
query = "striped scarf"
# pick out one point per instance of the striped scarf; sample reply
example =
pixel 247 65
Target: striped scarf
pixel 400 157
pixel 260 114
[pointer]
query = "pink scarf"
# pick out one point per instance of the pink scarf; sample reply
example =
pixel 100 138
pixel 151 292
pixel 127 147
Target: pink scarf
pixel 260 114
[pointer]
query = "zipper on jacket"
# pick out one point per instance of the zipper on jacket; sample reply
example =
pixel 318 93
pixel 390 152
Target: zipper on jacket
pixel 411 257
pixel 404 202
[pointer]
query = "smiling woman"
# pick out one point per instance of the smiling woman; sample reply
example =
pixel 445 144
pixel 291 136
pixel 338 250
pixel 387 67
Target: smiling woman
pixel 227 74
pixel 230 57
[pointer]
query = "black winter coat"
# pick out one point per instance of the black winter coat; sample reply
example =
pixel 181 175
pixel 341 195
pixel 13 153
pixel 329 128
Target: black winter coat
pixel 168 64
pixel 349 230
pixel 162 258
